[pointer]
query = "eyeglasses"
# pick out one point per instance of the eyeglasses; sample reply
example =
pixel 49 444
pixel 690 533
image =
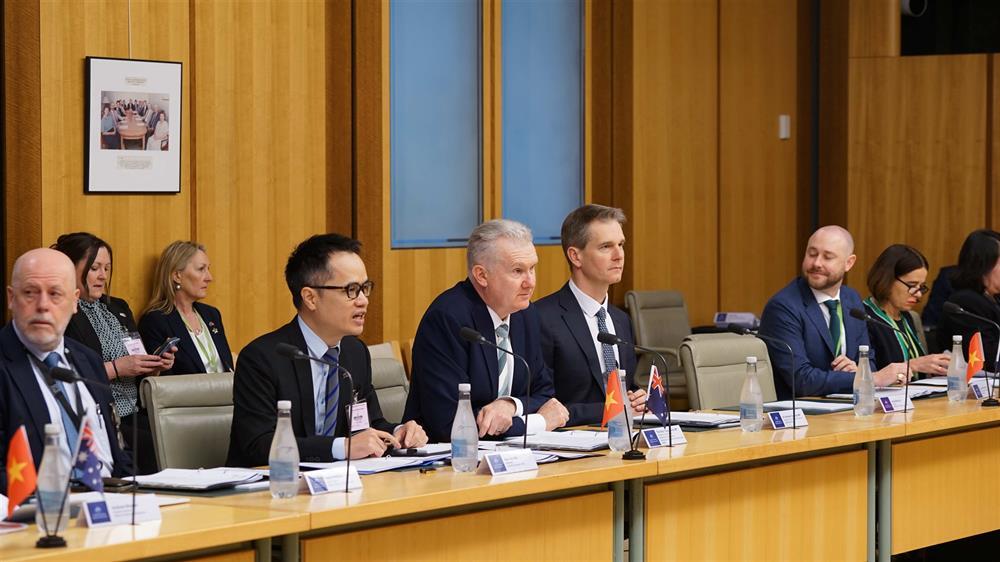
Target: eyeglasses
pixel 915 289
pixel 352 290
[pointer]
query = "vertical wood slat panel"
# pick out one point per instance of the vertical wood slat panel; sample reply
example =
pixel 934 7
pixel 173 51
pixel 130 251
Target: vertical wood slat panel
pixel 674 242
pixel 261 175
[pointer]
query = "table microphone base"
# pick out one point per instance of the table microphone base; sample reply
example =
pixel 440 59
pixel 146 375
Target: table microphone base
pixel 634 455
pixel 52 541
pixel 991 403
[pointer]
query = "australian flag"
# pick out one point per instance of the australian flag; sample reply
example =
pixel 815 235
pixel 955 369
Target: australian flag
pixel 657 397
pixel 87 467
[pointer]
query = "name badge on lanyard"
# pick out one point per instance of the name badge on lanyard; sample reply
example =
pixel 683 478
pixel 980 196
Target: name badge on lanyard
pixel 359 416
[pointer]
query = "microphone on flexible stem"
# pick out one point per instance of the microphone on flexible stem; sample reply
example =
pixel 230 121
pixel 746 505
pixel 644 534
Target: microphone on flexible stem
pixel 953 308
pixel 864 316
pixel 742 331
pixel 471 335
pixel 634 454
pixel 69 376
pixel 290 351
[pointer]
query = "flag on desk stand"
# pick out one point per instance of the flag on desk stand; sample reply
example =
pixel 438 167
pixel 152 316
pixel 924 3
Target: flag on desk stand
pixel 21 476
pixel 975 356
pixel 87 467
pixel 613 403
pixel 656 397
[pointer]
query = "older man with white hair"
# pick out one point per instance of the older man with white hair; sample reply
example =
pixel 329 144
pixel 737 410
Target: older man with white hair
pixel 42 297
pixel 495 300
pixel 812 315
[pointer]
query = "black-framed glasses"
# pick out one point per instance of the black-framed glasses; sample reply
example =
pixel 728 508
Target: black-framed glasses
pixel 352 290
pixel 915 289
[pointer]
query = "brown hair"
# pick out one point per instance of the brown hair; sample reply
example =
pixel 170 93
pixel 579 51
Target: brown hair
pixel 576 227
pixel 895 261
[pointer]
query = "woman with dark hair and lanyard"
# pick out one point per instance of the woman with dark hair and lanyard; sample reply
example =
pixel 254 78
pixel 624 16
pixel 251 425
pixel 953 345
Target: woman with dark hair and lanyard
pixel 977 285
pixel 897 281
pixel 106 325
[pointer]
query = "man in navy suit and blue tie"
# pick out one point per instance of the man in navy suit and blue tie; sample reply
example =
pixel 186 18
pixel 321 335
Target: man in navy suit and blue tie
pixel 495 300
pixel 594 244
pixel 812 315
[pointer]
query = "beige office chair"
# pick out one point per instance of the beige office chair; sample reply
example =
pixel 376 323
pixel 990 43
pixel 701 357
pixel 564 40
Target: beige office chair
pixel 660 321
pixel 190 417
pixel 918 326
pixel 715 366
pixel 389 379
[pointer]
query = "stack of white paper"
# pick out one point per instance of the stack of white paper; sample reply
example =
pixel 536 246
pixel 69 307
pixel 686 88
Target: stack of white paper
pixel 200 478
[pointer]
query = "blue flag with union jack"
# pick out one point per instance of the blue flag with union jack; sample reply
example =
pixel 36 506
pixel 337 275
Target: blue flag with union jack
pixel 657 397
pixel 87 467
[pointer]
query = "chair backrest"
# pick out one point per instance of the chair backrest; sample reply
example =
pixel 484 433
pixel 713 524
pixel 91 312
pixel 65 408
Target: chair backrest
pixel 715 366
pixel 190 418
pixel 659 318
pixel 918 326
pixel 389 380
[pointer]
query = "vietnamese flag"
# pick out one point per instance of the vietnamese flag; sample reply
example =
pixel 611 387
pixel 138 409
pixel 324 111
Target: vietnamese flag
pixel 975 356
pixel 613 404
pixel 21 475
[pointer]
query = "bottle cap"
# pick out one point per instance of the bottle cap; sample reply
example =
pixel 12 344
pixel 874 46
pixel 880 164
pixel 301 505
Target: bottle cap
pixel 464 387
pixel 53 428
pixel 284 404
pixel 957 338
pixel 751 360
pixel 863 349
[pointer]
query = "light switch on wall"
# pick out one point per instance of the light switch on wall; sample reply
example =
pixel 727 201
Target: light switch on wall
pixel 784 127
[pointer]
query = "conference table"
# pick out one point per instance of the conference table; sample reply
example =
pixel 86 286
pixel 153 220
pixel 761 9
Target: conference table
pixel 843 488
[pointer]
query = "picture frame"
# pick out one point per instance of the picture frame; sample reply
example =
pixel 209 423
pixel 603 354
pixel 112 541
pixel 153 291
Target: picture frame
pixel 133 115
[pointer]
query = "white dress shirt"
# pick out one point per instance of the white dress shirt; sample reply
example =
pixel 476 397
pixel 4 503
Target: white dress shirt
pixel 590 307
pixel 534 423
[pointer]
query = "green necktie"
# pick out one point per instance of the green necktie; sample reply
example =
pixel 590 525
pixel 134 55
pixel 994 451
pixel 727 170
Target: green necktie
pixel 835 332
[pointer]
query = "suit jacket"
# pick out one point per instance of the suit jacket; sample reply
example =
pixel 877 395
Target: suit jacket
pixel 965 326
pixel 794 316
pixel 155 327
pixel 569 350
pixel 22 401
pixel 442 360
pixel 81 330
pixel 263 377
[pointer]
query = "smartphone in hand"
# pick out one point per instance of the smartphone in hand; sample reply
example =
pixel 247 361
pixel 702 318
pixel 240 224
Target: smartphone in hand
pixel 170 342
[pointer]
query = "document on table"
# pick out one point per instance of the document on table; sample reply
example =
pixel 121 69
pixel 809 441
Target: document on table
pixel 577 440
pixel 696 419
pixel 933 381
pixel 199 479
pixel 809 406
pixel 380 464
pixel 915 392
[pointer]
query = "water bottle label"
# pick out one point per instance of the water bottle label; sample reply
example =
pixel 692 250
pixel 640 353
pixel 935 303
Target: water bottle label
pixel 283 471
pixel 462 449
pixel 749 411
pixel 857 397
pixel 50 500
pixel 616 429
pixel 954 383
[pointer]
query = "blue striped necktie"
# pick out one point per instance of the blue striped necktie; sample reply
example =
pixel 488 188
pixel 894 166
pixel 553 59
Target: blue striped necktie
pixel 607 350
pixel 332 392
pixel 72 432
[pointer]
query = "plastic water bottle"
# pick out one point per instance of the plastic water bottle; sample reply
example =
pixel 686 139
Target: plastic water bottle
pixel 958 386
pixel 464 433
pixel 864 385
pixel 751 399
pixel 619 427
pixel 283 460
pixel 53 475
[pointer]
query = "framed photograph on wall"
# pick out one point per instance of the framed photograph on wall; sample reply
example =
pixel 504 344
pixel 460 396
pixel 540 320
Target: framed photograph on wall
pixel 133 126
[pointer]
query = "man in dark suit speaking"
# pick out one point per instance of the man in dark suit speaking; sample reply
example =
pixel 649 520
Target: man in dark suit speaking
pixel 42 297
pixel 812 315
pixel 594 244
pixel 330 290
pixel 495 300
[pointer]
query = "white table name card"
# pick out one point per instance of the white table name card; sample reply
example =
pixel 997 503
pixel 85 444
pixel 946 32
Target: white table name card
pixel 980 389
pixel 331 480
pixel 894 403
pixel 116 509
pixel 507 462
pixel 784 419
pixel 663 437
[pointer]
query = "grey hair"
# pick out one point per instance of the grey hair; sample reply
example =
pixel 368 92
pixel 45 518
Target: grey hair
pixel 481 241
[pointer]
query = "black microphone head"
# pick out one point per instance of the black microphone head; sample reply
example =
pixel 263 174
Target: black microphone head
pixel 859 314
pixel 952 308
pixel 607 338
pixel 288 350
pixel 63 374
pixel 737 329
pixel 470 334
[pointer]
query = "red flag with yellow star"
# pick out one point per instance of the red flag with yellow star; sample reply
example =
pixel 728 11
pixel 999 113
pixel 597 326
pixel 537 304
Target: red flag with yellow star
pixel 21 477
pixel 975 356
pixel 613 403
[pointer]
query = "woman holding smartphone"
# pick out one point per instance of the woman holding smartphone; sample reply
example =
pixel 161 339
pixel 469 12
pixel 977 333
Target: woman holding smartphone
pixel 180 282
pixel 106 325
